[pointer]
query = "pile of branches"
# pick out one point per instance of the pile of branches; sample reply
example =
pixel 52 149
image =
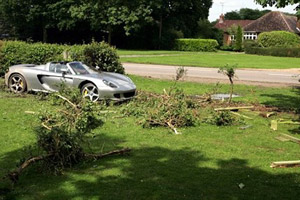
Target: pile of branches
pixel 171 109
pixel 62 132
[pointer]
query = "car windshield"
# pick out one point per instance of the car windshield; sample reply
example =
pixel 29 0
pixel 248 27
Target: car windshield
pixel 79 68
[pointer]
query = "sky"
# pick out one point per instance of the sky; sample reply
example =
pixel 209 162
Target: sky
pixel 231 5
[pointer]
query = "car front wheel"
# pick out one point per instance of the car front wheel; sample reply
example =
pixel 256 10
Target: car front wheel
pixel 90 91
pixel 17 83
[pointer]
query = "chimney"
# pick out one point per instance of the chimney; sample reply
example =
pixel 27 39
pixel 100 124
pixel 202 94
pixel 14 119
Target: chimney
pixel 222 19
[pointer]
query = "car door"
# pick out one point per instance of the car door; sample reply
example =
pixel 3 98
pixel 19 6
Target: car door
pixel 58 74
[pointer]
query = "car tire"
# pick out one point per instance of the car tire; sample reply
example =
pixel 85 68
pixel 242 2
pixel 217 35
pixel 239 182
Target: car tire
pixel 90 91
pixel 17 83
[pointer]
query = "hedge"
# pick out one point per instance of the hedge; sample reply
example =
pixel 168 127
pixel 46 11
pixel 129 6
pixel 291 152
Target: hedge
pixel 196 45
pixel 16 52
pixel 278 39
pixel 274 51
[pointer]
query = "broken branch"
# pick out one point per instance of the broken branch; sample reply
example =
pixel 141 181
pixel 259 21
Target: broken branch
pixel 99 156
pixel 234 108
pixel 14 175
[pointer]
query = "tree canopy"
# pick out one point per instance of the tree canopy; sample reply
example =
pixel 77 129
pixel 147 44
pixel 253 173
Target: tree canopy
pixel 280 3
pixel 51 20
pixel 246 13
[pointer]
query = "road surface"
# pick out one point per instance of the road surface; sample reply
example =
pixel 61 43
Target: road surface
pixel 287 77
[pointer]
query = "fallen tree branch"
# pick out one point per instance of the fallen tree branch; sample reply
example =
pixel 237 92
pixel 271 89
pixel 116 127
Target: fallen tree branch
pixel 67 100
pixel 99 156
pixel 284 164
pixel 173 128
pixel 234 108
pixel 14 175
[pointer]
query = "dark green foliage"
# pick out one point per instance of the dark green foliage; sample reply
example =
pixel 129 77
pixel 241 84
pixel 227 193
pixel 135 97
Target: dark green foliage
pixel 278 3
pixel 246 14
pixel 206 30
pixel 226 48
pixel 103 56
pixel 15 52
pixel 238 45
pixel 221 118
pixel 62 131
pixel 278 39
pixel 172 109
pixel 274 51
pixel 250 44
pixel 95 54
pixel 196 45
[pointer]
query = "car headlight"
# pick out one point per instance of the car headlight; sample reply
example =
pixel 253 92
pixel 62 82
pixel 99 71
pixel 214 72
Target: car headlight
pixel 110 84
pixel 129 80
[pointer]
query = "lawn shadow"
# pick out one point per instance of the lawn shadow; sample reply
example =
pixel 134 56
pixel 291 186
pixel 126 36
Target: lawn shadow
pixel 160 173
pixel 285 102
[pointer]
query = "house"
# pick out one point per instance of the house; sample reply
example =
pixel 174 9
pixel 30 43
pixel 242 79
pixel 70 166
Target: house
pixel 226 24
pixel 272 21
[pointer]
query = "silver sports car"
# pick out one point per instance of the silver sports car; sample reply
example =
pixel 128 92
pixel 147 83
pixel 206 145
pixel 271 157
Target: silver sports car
pixel 92 84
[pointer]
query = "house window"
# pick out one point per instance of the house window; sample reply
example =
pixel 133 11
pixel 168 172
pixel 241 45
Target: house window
pixel 250 36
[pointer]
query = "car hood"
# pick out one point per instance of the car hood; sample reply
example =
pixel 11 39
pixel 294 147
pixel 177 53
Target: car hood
pixel 109 76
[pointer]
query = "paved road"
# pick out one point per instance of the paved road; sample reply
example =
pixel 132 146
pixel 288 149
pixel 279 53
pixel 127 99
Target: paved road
pixel 199 74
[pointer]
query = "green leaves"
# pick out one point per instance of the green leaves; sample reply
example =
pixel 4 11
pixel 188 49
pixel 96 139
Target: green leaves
pixel 278 39
pixel 102 56
pixel 196 45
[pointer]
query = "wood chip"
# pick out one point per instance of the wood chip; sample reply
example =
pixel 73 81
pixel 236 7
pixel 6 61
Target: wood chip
pixel 240 115
pixel 274 125
pixel 29 112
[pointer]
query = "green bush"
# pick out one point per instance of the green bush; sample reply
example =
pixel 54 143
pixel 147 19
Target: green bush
pixel 278 39
pixel 226 48
pixel 95 54
pixel 274 51
pixel 238 46
pixel 16 52
pixel 103 56
pixel 196 45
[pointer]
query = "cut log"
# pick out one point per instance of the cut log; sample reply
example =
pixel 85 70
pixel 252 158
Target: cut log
pixel 234 108
pixel 285 164
pixel 289 122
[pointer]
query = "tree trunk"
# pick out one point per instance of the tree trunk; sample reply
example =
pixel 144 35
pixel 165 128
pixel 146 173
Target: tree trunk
pixel 109 34
pixel 160 31
pixel 45 35
pixel 231 90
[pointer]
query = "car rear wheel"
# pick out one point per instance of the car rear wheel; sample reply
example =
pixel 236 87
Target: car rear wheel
pixel 17 83
pixel 90 91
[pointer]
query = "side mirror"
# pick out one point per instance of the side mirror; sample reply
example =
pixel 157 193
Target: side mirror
pixel 64 72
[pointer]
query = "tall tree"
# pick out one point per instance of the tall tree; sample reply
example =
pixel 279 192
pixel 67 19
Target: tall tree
pixel 107 15
pixel 246 14
pixel 280 3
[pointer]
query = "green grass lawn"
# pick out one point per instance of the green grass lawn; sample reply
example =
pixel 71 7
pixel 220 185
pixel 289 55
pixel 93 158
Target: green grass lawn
pixel 205 162
pixel 211 59
pixel 123 52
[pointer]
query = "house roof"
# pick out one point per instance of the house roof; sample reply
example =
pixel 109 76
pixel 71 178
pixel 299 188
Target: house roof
pixel 225 24
pixel 273 21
